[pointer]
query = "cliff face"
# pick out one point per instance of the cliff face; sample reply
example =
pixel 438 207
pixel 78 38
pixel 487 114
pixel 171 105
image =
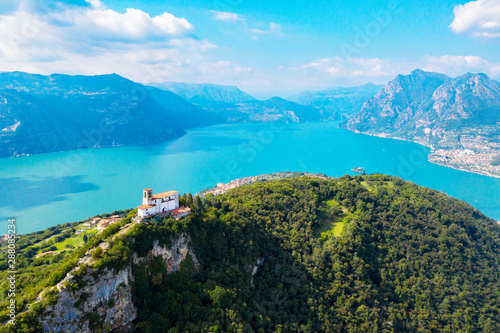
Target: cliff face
pixel 104 301
pixel 424 107
pixel 172 256
pixel 106 296
pixel 401 106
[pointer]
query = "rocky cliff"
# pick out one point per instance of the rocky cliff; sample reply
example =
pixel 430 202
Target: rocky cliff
pixel 105 299
pixel 172 256
pixel 101 299
pixel 425 106
pixel 459 118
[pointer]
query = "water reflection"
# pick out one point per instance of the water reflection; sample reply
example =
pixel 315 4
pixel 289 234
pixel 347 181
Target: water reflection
pixel 22 193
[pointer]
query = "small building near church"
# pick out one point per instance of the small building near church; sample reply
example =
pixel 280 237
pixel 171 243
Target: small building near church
pixel 103 224
pixel 180 212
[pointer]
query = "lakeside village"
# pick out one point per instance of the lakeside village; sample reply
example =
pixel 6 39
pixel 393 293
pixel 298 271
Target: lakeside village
pixel 221 188
pixel 159 205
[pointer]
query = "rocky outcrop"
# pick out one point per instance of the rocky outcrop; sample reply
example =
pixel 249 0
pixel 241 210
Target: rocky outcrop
pixel 459 118
pixel 173 255
pixel 105 297
pixel 422 106
pixel 401 103
pixel 255 269
pixel 102 300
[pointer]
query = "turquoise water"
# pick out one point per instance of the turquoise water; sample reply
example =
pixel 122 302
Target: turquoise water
pixel 43 190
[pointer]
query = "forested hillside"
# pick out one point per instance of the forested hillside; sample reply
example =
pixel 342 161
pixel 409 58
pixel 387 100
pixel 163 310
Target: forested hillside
pixel 41 114
pixel 355 254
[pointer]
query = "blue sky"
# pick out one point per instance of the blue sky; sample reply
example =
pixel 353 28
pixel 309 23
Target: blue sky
pixel 264 47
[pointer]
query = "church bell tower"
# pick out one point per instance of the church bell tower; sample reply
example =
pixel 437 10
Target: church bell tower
pixel 147 196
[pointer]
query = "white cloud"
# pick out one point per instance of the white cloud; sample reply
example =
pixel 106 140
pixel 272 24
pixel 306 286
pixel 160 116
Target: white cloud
pixel 274 29
pixel 64 27
pixel 459 65
pixel 338 68
pixel 88 38
pixel 382 69
pixel 223 67
pixel 133 25
pixel 479 18
pixel 226 16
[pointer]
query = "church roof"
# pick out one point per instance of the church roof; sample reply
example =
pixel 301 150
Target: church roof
pixel 164 194
pixel 145 206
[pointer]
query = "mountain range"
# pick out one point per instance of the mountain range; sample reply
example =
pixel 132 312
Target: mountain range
pixel 423 105
pixel 40 114
pixel 271 110
pixel 230 104
pixel 455 116
pixel 207 94
pixel 339 102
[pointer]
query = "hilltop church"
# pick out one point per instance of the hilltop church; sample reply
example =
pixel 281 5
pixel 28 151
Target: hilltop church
pixel 165 202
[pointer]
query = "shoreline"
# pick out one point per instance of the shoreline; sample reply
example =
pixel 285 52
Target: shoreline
pixel 487 174
pixel 465 170
pixel 381 135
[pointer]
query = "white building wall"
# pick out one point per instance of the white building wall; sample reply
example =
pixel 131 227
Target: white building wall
pixel 164 207
pixel 158 206
pixel 171 204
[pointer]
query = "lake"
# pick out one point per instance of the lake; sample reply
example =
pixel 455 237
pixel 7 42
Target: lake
pixel 44 190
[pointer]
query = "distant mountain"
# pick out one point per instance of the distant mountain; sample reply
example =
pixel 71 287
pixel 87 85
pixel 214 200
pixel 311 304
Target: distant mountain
pixel 436 110
pixel 423 105
pixel 473 98
pixel 228 104
pixel 40 114
pixel 338 101
pixel 205 94
pixel 273 109
pixel 185 114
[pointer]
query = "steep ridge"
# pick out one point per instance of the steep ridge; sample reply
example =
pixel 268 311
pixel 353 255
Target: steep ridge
pixel 459 117
pixel 207 94
pixel 40 114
